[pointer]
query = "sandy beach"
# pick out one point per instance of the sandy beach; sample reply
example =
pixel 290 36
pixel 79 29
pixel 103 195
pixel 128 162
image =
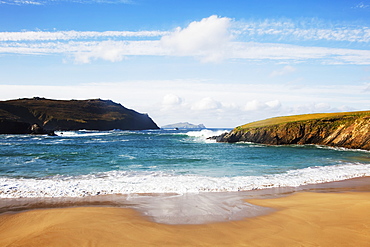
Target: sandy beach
pixel 327 217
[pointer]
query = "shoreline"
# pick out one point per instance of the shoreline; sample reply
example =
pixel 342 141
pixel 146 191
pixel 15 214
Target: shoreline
pixel 188 208
pixel 331 214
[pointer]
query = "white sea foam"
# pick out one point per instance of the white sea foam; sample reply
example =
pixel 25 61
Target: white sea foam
pixel 5 143
pixel 203 134
pixel 342 149
pixel 80 133
pixel 125 156
pixel 125 182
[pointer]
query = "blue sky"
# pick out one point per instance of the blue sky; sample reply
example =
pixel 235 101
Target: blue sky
pixel 220 63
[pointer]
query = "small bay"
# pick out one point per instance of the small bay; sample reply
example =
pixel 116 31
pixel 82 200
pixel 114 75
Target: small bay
pixel 81 163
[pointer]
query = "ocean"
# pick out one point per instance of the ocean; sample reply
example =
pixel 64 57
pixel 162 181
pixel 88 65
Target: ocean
pixel 183 162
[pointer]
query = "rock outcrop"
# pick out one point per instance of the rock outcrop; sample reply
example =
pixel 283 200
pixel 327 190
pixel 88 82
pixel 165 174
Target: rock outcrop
pixel 348 130
pixel 41 116
pixel 14 127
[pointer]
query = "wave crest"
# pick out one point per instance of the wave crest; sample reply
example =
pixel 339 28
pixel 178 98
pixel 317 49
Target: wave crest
pixel 127 182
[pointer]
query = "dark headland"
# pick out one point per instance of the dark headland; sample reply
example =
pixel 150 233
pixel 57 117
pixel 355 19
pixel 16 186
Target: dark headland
pixel 345 129
pixel 43 116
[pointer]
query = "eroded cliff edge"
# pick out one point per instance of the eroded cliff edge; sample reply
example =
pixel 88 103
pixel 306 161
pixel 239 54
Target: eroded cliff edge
pixel 22 115
pixel 348 130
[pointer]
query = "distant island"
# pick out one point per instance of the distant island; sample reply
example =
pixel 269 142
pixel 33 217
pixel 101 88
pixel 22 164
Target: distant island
pixel 43 116
pixel 184 125
pixel 346 129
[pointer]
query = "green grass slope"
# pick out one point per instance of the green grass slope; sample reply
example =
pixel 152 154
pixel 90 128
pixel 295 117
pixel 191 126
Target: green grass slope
pixel 344 129
pixel 304 117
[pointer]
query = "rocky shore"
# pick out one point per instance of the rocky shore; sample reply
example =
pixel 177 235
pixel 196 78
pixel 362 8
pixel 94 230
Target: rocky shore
pixel 43 116
pixel 348 130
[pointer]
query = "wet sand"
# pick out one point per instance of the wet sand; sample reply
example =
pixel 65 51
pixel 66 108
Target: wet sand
pixel 338 217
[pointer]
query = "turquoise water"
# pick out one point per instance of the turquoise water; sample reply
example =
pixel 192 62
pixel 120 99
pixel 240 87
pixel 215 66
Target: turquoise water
pixel 84 163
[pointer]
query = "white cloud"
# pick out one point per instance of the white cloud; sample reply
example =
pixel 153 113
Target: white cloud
pixel 274 104
pixel 171 100
pixel 21 2
pixel 257 106
pixel 309 29
pixel 44 2
pixel 106 50
pixel 316 108
pixel 209 40
pixel 295 53
pixel 367 87
pixel 322 107
pixel 88 50
pixel 75 35
pixel 254 105
pixel 284 71
pixel 206 104
pixel 223 106
pixel 361 6
pixel 206 38
pixel 116 50
pixel 214 31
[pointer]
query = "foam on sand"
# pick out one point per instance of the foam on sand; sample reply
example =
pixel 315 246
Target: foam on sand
pixel 303 219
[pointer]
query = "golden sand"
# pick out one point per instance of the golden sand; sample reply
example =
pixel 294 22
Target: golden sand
pixel 302 219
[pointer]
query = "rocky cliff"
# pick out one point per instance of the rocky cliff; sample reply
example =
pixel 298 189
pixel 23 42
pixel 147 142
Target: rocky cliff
pixel 25 116
pixel 349 130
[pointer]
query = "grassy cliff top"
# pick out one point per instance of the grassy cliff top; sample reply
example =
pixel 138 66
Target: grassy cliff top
pixel 305 117
pixel 92 114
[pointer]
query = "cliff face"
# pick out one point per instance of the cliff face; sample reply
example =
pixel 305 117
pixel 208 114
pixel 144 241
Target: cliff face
pixel 349 130
pixel 18 116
